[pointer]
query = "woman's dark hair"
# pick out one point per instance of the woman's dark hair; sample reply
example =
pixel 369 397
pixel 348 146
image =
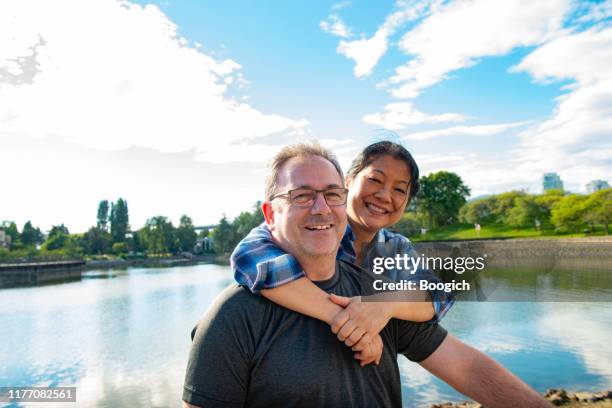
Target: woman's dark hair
pixel 387 148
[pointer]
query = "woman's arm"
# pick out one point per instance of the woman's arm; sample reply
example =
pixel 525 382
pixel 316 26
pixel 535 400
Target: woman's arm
pixel 372 313
pixel 304 297
pixel 258 263
pixel 264 268
pixel 414 305
pixel 441 301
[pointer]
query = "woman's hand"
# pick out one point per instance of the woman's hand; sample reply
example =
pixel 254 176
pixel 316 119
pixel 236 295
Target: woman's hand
pixel 371 352
pixel 359 318
pixel 359 323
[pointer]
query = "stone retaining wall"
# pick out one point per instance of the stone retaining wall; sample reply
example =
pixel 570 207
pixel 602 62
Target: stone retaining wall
pixel 589 253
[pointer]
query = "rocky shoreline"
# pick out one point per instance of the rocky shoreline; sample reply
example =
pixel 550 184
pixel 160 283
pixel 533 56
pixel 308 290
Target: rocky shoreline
pixel 557 397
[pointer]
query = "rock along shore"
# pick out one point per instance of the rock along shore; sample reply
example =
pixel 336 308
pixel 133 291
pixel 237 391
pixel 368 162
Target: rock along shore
pixel 557 397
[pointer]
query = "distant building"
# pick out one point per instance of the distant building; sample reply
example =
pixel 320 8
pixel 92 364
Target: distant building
pixel 203 245
pixel 207 244
pixel 552 181
pixel 5 239
pixel 597 185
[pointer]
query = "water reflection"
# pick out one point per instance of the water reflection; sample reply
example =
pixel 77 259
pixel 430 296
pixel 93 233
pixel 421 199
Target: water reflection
pixel 121 341
pixel 549 345
pixel 124 341
pixel 535 285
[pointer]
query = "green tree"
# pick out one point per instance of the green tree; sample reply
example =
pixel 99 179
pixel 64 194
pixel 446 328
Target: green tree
pixel 78 244
pixel 138 242
pixel 504 202
pixel 524 213
pixel 120 248
pixel 58 238
pixel 31 236
pixel 598 209
pixel 410 224
pixel 103 215
pixel 481 210
pixel 246 221
pixel 441 196
pixel 160 235
pixel 223 236
pixel 186 234
pixel 119 220
pixel 10 229
pixel 98 241
pixel 567 214
pixel 546 202
pixel 58 229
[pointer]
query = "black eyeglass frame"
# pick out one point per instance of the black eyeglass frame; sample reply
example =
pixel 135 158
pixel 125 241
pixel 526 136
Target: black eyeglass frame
pixel 288 196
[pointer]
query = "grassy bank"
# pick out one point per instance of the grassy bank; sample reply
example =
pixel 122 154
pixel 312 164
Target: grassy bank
pixel 468 232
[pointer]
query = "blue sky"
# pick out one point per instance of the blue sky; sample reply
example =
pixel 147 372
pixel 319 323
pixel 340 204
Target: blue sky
pixel 177 105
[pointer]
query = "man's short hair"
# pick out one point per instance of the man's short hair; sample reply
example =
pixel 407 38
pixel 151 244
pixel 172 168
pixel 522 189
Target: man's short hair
pixel 296 150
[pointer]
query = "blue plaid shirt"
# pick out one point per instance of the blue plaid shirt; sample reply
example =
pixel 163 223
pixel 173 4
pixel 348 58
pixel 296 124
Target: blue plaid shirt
pixel 258 263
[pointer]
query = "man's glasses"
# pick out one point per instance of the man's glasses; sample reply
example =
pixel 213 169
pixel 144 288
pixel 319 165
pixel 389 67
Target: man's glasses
pixel 306 197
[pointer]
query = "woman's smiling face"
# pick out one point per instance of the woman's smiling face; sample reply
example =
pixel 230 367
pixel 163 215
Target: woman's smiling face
pixel 378 194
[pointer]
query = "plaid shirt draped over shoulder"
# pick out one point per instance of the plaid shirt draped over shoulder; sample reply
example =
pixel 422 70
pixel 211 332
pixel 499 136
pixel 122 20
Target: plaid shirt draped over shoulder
pixel 258 263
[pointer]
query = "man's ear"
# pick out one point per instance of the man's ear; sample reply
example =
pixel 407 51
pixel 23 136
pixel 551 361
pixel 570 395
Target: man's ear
pixel 348 180
pixel 268 213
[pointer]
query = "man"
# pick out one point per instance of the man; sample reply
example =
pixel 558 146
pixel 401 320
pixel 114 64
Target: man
pixel 248 351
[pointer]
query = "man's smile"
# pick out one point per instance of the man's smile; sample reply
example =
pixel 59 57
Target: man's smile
pixel 319 227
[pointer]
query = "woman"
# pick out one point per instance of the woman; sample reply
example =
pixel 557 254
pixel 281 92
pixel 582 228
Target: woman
pixel 381 181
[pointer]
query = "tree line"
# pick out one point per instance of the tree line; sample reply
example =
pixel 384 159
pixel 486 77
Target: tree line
pixel 110 235
pixel 226 235
pixel 441 201
pixel 563 213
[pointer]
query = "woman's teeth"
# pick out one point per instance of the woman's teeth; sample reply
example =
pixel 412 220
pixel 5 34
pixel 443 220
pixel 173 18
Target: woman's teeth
pixel 376 209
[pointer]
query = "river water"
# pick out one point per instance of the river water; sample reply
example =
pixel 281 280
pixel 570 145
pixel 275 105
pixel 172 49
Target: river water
pixel 122 337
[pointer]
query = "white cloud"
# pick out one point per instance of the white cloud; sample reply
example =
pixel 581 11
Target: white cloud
pixel 593 12
pixel 366 52
pixel 584 57
pixel 152 182
pixel 575 140
pixel 508 344
pixel 477 130
pixel 334 25
pixel 490 173
pixel 456 35
pixel 117 75
pixel 341 5
pixel 420 382
pixel 398 115
pixel 587 338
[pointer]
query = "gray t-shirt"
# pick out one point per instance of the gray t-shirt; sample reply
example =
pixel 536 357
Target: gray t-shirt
pixel 248 351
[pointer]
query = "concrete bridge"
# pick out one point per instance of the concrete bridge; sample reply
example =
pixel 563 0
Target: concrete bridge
pixel 203 227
